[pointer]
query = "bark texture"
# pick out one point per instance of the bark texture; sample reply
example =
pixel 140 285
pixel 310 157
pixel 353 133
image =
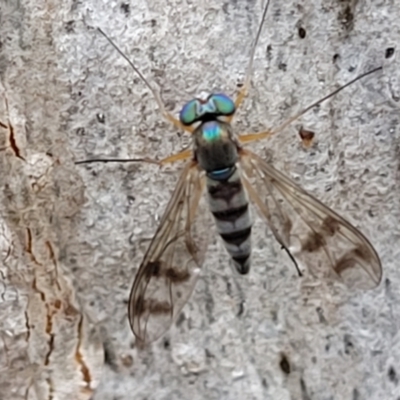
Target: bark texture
pixel 72 236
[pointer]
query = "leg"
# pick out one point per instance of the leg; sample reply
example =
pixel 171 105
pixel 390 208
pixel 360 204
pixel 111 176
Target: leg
pixel 252 137
pixel 172 119
pixel 183 155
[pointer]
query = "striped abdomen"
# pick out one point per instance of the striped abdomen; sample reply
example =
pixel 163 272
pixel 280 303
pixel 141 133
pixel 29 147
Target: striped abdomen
pixel 229 205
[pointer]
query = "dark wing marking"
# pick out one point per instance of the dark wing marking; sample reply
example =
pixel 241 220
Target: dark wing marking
pixel 172 263
pixel 317 237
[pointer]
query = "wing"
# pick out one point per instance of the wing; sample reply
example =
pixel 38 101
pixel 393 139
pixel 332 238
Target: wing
pixel 316 236
pixel 172 263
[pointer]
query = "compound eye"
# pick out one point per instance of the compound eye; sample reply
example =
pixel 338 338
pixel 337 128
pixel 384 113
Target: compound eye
pixel 189 112
pixel 216 105
pixel 224 105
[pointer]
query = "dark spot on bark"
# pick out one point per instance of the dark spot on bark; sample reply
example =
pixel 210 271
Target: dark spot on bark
pixel 348 344
pixel 264 382
pixel 282 66
pixel 321 316
pixel 303 387
pixel 346 14
pixel 306 136
pixel 80 131
pixel 393 375
pixel 126 8
pixel 240 311
pixel 181 319
pixel 69 26
pixel 302 33
pixel 284 364
pixel 389 52
pixel 109 356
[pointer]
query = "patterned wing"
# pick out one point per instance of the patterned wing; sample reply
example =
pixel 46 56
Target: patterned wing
pixel 172 263
pixel 315 235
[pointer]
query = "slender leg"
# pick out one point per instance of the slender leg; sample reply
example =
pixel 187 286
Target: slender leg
pixel 252 137
pixel 183 155
pixel 174 120
pixel 240 97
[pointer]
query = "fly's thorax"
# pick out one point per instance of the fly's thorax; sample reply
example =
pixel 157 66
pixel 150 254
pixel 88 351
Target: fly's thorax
pixel 214 146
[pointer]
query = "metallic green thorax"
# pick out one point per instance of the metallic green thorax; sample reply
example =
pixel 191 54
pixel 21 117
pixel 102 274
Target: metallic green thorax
pixel 212 131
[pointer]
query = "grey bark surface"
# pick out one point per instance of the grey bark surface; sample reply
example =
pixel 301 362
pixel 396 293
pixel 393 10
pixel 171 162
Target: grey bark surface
pixel 72 236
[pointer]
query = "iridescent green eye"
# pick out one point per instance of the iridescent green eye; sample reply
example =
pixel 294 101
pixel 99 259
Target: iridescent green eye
pixel 188 114
pixel 223 104
pixel 215 106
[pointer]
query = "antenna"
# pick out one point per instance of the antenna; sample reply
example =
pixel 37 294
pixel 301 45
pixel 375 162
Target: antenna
pixel 156 95
pixel 243 91
pixel 262 135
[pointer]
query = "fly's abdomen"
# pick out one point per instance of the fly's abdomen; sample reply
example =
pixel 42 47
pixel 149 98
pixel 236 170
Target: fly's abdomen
pixel 229 205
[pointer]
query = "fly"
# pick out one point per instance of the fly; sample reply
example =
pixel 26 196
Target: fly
pixel 232 177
